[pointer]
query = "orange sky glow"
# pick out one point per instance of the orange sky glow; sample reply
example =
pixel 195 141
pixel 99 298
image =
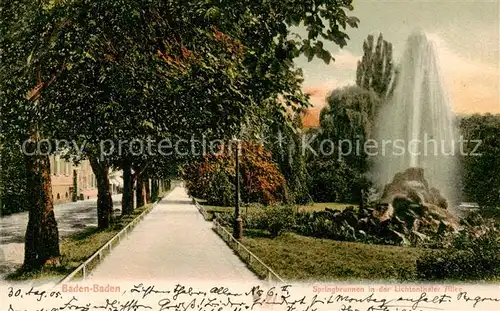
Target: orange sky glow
pixel 473 87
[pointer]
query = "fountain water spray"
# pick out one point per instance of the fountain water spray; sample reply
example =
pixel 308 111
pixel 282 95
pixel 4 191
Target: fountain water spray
pixel 417 126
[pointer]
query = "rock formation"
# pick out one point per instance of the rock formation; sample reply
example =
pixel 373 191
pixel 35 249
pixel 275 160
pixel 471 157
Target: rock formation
pixel 409 213
pixel 409 199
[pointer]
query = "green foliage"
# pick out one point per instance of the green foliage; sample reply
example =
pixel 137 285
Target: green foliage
pixel 134 69
pixel 123 70
pixel 320 225
pixel 481 167
pixel 350 224
pixel 13 187
pixel 115 71
pixel 330 180
pixel 375 70
pixel 350 117
pixel 471 254
pixel 491 212
pixel 277 219
pixel 283 140
pixel 337 171
pixel 350 114
pixel 221 191
pixel 473 258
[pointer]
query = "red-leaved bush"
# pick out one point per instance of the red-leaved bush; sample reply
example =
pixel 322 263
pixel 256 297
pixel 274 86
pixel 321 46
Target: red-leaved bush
pixel 213 177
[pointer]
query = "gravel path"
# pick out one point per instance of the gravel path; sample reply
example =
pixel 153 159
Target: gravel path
pixel 173 242
pixel 70 217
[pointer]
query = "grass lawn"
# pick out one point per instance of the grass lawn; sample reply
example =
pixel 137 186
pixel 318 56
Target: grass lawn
pixel 300 258
pixel 77 248
pixel 295 257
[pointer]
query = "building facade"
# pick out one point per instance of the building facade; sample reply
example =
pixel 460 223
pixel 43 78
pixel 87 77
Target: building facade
pixel 62 180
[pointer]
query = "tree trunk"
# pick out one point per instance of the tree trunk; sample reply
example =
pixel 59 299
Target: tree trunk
pixel 139 191
pixel 147 189
pixel 154 190
pixel 42 236
pixel 104 200
pixel 74 195
pixel 127 196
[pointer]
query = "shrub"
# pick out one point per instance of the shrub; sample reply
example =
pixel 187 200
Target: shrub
pixel 220 190
pixel 277 219
pixel 490 212
pixel 254 219
pixel 481 175
pixel 197 176
pixel 329 180
pixel 347 225
pixel 262 180
pixel 474 257
pixel 212 177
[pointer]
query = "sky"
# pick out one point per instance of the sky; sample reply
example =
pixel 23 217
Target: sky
pixel 466 34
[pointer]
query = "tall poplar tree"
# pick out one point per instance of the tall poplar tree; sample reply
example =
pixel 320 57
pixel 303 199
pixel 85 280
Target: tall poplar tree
pixel 375 70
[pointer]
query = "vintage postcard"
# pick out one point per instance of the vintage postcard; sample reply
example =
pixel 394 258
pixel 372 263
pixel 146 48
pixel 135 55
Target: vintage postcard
pixel 222 155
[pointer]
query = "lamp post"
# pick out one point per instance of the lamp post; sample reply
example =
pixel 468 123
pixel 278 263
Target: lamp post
pixel 238 222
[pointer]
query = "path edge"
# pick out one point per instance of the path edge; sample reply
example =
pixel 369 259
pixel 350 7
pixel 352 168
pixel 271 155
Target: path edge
pixel 101 253
pixel 238 248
